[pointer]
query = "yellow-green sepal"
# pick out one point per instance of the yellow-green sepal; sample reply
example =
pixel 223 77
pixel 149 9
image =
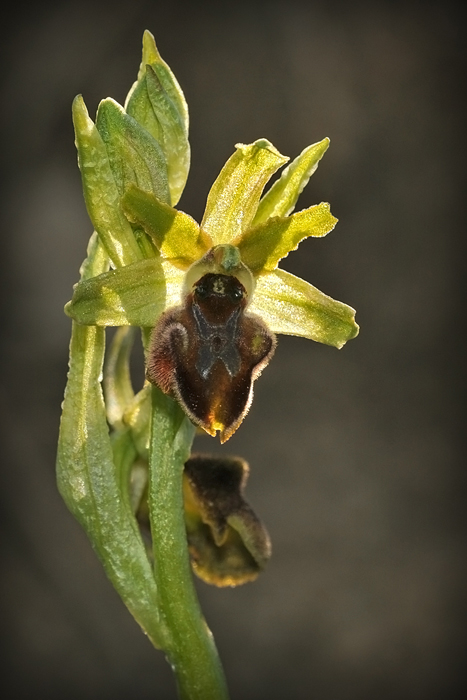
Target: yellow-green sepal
pixel 134 295
pixel 281 198
pixel 263 246
pixel 291 306
pixel 101 193
pixel 234 196
pixel 134 155
pixel 175 234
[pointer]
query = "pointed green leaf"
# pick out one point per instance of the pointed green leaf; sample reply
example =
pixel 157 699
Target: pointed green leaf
pixel 140 108
pixel 291 306
pixel 175 234
pixel 264 245
pixel 134 295
pixel 174 135
pixel 152 57
pixel 100 190
pixel 157 102
pixel 92 485
pixel 233 199
pixel 280 200
pixel 118 389
pixel 134 155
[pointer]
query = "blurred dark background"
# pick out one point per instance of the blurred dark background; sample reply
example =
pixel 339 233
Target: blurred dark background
pixel 356 456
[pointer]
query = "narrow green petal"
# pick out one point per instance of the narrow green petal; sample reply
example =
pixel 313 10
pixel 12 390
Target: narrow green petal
pixel 233 199
pixel 280 200
pixel 264 245
pixel 291 306
pixel 134 295
pixel 101 193
pixel 175 234
pixel 134 155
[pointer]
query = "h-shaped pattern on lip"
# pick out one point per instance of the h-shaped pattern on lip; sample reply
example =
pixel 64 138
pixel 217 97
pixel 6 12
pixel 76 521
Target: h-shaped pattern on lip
pixel 217 342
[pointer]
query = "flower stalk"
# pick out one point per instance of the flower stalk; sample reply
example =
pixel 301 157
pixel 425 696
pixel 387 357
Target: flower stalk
pixel 190 650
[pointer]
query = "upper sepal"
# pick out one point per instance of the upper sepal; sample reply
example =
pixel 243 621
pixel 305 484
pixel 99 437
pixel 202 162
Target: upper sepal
pixel 233 199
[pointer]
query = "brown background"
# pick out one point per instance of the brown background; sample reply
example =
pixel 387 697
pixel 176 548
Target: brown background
pixel 355 455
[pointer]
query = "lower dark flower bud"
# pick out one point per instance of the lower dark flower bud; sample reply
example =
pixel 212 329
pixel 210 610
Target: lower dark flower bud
pixel 228 543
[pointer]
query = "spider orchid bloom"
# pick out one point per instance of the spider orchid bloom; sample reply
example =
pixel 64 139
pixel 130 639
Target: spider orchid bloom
pixel 213 293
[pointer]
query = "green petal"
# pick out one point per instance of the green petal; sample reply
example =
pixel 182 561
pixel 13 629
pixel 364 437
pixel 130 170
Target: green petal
pixel 280 200
pixel 291 306
pixel 100 190
pixel 175 234
pixel 264 245
pixel 233 199
pixel 134 155
pixel 134 295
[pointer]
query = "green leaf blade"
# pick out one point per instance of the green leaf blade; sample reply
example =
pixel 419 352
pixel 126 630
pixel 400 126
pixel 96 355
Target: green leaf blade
pixel 134 155
pixel 101 193
pixel 92 485
pixel 157 102
pixel 152 57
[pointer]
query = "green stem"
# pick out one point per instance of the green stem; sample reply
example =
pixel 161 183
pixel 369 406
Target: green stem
pixel 190 650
